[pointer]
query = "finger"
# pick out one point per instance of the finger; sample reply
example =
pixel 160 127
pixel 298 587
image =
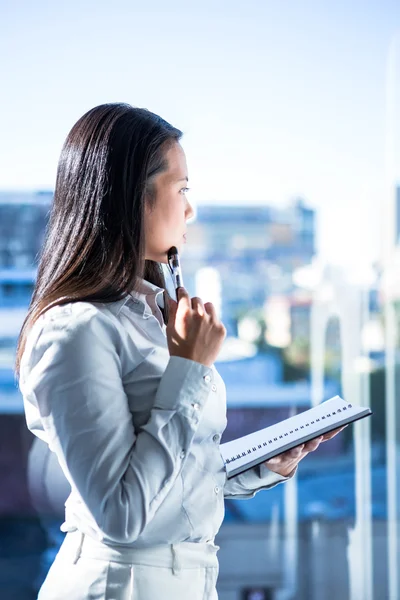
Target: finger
pixel 198 306
pixel 171 301
pixel 291 454
pixel 183 298
pixel 210 309
pixel 172 305
pixel 312 445
pixel 338 429
pixel 331 434
pixel 296 452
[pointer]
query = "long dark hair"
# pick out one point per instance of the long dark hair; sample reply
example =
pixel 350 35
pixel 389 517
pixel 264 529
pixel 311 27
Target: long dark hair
pixel 94 247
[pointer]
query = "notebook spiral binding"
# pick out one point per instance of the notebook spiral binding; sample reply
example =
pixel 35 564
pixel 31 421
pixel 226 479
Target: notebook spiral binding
pixel 275 439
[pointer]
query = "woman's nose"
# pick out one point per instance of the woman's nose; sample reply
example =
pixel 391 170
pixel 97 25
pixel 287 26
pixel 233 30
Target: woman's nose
pixel 189 212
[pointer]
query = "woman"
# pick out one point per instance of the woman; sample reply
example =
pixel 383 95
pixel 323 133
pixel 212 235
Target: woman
pixel 118 378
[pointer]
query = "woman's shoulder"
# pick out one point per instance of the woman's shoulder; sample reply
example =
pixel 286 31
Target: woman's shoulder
pixel 71 314
pixel 80 329
pixel 73 320
pixel 77 309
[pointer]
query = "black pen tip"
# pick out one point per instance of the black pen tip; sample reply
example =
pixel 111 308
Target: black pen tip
pixel 172 250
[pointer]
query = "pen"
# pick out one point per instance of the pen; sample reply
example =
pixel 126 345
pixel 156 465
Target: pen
pixel 175 267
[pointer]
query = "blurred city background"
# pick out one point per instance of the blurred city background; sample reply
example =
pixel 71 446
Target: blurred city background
pixel 291 129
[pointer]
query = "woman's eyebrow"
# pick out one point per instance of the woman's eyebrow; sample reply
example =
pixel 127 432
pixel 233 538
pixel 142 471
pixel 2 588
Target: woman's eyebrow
pixel 183 179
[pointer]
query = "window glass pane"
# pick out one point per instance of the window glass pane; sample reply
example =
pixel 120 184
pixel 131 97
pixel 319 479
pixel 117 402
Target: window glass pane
pixel 291 121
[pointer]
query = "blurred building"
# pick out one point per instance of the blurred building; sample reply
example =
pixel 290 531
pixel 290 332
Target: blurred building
pixel 23 218
pixel 255 250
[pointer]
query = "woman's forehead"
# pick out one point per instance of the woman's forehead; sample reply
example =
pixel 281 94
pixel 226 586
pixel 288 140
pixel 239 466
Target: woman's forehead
pixel 176 163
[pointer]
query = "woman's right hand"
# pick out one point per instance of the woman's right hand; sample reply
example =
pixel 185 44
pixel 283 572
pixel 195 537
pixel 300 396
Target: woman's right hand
pixel 194 330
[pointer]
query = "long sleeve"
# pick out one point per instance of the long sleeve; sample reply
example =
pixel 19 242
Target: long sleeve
pixel 73 377
pixel 247 484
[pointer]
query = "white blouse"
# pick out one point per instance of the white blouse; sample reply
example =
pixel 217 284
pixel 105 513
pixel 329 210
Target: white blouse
pixel 135 430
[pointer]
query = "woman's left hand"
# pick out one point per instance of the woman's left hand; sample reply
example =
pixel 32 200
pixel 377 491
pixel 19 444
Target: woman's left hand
pixel 284 463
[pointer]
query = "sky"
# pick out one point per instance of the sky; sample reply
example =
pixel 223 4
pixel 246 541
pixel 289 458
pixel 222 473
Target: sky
pixel 276 99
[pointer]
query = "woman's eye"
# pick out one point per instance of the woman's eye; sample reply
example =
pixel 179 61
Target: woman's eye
pixel 184 190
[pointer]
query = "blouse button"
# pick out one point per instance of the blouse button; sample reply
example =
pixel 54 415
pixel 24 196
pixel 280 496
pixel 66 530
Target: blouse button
pixel 214 387
pixel 207 378
pixel 182 454
pixel 216 438
pixel 216 489
pixel 196 406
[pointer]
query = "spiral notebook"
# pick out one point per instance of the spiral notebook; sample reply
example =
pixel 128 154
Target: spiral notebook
pixel 250 450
